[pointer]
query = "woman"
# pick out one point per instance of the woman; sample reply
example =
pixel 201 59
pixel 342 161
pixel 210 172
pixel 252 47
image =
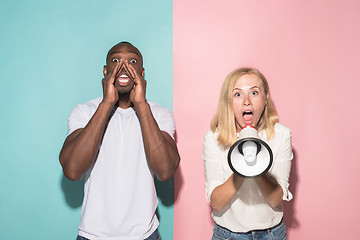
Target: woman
pixel 247 208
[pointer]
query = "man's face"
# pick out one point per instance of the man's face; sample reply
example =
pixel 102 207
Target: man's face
pixel 126 53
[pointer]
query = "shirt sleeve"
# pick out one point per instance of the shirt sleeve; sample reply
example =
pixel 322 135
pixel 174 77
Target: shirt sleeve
pixel 282 165
pixel 77 119
pixel 166 122
pixel 212 164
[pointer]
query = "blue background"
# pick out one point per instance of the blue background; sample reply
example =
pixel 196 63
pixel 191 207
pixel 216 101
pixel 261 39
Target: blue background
pixel 52 54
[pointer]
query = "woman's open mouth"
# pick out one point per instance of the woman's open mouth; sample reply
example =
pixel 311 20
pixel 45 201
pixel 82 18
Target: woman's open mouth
pixel 248 117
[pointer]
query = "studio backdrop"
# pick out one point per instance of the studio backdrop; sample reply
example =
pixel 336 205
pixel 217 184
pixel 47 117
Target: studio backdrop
pixel 52 54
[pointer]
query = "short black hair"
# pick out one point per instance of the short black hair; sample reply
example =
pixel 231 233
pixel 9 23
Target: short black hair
pixel 123 42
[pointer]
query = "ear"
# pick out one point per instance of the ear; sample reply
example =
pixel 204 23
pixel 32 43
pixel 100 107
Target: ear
pixel 104 70
pixel 143 72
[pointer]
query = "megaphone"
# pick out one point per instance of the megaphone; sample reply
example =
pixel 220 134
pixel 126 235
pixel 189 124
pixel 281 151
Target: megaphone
pixel 250 156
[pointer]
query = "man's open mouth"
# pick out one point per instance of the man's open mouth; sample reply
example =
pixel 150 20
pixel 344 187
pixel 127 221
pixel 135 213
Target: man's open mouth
pixel 123 78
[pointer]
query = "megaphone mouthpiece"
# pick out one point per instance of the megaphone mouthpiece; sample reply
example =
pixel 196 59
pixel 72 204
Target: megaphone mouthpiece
pixel 249 150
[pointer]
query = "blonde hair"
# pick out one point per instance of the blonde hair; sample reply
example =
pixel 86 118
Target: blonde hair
pixel 224 120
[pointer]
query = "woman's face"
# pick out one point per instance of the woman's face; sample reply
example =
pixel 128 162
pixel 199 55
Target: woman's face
pixel 249 100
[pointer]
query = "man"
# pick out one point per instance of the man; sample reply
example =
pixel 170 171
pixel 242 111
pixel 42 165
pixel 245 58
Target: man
pixel 120 141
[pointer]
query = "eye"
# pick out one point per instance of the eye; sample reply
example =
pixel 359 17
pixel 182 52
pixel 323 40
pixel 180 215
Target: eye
pixel 254 93
pixel 133 61
pixel 115 60
pixel 237 94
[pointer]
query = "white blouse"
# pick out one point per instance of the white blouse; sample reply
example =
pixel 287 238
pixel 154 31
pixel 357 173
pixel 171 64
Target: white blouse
pixel 248 210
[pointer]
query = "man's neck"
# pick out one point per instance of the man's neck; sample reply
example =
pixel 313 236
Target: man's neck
pixel 124 102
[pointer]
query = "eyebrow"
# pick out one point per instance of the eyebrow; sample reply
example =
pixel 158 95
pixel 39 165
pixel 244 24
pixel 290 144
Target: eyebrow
pixel 250 88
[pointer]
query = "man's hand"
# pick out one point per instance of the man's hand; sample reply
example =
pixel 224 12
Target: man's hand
pixel 138 93
pixel 109 91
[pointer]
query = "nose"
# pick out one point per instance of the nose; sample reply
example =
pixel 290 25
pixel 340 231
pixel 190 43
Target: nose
pixel 246 101
pixel 122 64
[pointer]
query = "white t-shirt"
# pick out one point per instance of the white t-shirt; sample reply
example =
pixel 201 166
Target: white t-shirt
pixel 119 193
pixel 248 210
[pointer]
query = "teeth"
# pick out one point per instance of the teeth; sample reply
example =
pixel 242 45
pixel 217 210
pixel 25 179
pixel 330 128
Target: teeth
pixel 247 112
pixel 123 76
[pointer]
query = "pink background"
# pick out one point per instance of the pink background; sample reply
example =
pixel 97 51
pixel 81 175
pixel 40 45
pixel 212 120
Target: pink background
pixel 309 52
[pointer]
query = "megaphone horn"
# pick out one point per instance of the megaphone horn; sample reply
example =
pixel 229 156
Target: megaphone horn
pixel 250 156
